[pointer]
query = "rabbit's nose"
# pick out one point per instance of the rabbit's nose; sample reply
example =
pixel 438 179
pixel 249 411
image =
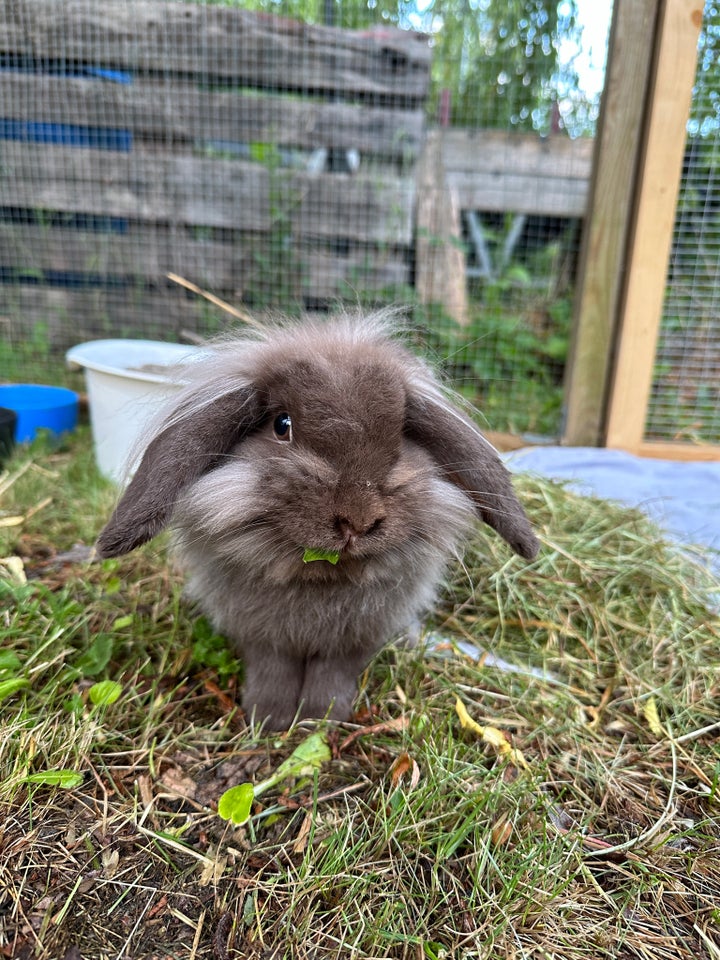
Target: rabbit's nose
pixel 351 529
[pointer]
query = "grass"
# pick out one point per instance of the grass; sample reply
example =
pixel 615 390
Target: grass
pixel 419 838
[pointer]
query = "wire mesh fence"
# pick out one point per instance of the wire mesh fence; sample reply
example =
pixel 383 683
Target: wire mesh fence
pixel 685 400
pixel 271 157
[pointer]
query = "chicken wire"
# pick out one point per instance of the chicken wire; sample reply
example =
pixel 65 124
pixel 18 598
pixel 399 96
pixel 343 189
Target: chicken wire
pixel 131 150
pixel 685 399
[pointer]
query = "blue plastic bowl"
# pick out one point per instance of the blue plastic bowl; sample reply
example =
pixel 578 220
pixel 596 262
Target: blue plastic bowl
pixel 40 408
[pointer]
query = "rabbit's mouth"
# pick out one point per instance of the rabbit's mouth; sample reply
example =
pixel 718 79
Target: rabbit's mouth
pixel 343 563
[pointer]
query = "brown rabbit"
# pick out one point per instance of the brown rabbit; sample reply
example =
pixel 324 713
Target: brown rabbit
pixel 326 436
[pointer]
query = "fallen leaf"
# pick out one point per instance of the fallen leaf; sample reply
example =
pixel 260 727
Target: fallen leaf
pixel 15 567
pixel 491 735
pixel 66 779
pixel 175 781
pixel 403 765
pixel 308 756
pixel 213 870
pixel 158 908
pixel 227 703
pixel 105 692
pixel 653 718
pixel 110 860
pixel 312 554
pixel 11 686
pixel 235 804
pixel 11 521
pixel 501 832
pixel 146 795
pixel 301 841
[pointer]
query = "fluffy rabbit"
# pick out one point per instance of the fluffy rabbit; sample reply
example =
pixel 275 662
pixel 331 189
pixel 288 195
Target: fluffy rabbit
pixel 330 436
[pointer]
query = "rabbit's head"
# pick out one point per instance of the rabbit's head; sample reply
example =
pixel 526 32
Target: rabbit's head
pixel 331 437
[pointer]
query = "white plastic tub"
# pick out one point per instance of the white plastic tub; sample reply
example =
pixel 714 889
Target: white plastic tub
pixel 127 382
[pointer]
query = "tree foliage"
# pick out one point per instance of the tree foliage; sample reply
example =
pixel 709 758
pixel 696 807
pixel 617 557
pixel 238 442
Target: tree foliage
pixel 705 112
pixel 499 59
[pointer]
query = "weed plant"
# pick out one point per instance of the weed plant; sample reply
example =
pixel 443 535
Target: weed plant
pixel 509 360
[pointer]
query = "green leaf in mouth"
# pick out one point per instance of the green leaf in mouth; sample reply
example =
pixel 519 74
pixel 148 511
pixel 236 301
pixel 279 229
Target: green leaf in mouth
pixel 311 553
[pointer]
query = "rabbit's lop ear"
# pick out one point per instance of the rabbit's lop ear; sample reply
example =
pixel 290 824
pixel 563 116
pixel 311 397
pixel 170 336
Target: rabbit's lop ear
pixel 470 462
pixel 190 444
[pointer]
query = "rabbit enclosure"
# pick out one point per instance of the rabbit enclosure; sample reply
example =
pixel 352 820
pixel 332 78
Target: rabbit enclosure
pixel 539 776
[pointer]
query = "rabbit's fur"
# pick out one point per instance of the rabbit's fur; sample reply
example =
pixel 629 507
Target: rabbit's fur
pixel 314 435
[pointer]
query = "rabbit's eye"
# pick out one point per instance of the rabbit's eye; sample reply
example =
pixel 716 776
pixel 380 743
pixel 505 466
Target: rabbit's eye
pixel 282 427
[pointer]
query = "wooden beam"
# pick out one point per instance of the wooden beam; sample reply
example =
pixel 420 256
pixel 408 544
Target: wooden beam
pixel 439 253
pixel 679 451
pixel 215 42
pixel 181 189
pixel 146 253
pixel 496 151
pixel 664 139
pixel 494 170
pixel 69 316
pixel 602 255
pixel 525 193
pixel 181 113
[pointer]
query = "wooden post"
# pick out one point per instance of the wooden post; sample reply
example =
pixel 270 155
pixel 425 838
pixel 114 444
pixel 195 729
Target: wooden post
pixel 653 219
pixel 602 256
pixel 439 257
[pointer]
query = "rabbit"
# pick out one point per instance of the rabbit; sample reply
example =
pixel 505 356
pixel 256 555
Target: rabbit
pixel 325 435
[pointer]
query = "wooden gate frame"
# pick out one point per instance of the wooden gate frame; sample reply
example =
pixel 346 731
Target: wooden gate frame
pixel 631 215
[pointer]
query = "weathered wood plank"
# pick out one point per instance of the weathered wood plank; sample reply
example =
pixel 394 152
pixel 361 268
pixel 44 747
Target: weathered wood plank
pixel 146 251
pixel 207 218
pixel 370 209
pixel 500 171
pixel 602 257
pixel 170 189
pixel 228 269
pixel 220 43
pixel 525 193
pixel 653 221
pixel 329 277
pixel 71 316
pixel 496 151
pixel 180 112
pixel 204 192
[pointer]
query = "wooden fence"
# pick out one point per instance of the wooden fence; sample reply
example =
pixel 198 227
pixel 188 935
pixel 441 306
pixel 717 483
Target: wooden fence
pixel 492 171
pixel 140 138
